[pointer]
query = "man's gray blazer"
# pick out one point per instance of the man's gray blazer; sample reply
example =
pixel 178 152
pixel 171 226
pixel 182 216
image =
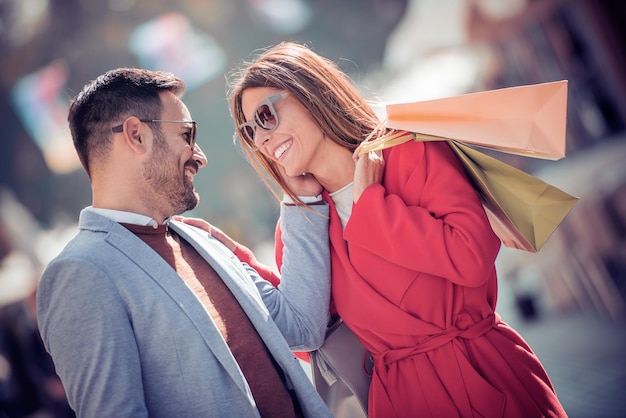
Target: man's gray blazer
pixel 130 339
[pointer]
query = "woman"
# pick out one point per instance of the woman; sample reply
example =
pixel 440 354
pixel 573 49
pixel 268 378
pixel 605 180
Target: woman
pixel 412 250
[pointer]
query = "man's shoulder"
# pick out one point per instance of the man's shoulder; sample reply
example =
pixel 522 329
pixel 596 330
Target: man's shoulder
pixel 94 240
pixel 84 248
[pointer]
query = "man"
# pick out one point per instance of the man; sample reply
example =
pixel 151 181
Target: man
pixel 145 316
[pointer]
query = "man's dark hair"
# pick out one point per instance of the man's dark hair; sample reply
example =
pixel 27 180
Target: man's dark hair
pixel 110 99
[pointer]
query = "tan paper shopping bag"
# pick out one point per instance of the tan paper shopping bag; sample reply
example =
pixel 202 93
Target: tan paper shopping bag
pixel 527 120
pixel 522 209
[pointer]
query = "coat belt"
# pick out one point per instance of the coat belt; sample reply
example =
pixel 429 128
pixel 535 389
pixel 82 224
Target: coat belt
pixel 437 340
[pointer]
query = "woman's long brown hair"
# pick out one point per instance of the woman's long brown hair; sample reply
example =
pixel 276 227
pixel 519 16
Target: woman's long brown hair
pixel 318 84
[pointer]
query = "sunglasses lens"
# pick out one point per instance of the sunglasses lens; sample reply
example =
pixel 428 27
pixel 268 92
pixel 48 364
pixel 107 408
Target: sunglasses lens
pixel 247 132
pixel 265 118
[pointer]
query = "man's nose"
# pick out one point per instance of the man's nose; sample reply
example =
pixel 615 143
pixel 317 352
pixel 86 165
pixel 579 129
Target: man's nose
pixel 198 156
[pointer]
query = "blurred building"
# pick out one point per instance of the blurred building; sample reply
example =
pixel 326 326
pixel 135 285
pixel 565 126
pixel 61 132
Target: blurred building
pixel 578 40
pixel 583 265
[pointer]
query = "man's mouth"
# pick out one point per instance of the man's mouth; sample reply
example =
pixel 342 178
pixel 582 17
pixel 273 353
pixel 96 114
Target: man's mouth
pixel 190 173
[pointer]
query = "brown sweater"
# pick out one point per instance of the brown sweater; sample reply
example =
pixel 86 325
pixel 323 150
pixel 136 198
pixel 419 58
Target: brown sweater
pixel 262 374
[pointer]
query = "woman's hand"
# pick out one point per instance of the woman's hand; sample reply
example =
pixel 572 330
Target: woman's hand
pixel 303 185
pixel 214 231
pixel 369 170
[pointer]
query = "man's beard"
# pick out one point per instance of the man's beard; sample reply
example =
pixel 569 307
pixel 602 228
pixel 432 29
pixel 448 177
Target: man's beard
pixel 167 187
pixel 189 199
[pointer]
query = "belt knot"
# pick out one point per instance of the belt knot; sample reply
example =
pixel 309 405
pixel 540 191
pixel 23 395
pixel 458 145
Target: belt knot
pixel 463 328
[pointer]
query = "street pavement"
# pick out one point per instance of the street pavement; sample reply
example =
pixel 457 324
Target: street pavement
pixel 585 356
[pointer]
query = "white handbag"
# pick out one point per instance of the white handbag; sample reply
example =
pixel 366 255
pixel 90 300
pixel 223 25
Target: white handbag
pixel 341 370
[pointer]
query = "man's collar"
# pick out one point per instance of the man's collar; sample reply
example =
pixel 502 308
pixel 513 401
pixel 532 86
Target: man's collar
pixel 121 216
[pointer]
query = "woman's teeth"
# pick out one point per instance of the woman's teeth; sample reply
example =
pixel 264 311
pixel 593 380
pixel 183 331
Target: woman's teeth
pixel 281 150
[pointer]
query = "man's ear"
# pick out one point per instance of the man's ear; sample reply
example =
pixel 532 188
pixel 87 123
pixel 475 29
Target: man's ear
pixel 134 133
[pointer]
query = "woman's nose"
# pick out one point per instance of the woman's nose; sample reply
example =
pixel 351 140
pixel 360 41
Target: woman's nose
pixel 198 156
pixel 260 137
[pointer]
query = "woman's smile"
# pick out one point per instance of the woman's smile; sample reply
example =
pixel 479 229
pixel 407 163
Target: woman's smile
pixel 278 153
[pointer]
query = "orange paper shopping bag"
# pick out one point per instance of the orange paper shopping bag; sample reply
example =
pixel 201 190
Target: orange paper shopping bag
pixel 527 120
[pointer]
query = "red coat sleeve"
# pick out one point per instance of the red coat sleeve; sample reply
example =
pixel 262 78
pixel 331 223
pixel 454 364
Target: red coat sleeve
pixel 278 246
pixel 426 216
pixel 245 255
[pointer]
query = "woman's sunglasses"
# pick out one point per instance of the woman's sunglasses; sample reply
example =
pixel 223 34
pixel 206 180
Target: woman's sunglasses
pixel 265 117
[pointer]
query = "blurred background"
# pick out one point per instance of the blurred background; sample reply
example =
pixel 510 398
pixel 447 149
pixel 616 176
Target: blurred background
pixel 568 300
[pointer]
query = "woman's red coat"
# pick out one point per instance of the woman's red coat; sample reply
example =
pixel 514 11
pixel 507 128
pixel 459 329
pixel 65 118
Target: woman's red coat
pixel 413 275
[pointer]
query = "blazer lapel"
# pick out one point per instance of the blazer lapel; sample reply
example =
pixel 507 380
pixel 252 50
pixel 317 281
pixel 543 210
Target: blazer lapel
pixel 238 280
pixel 227 266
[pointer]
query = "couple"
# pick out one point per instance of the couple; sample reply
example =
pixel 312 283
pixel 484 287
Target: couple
pixel 146 314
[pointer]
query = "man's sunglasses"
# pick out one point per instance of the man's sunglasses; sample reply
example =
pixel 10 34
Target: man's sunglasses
pixel 265 117
pixel 191 139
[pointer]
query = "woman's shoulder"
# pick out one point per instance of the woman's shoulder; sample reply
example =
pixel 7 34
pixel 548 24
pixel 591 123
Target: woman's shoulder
pixel 417 159
pixel 417 150
pixel 411 150
pixel 414 152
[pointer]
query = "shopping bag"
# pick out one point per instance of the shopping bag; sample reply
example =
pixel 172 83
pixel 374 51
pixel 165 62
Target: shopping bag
pixel 339 372
pixel 522 209
pixel 526 120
